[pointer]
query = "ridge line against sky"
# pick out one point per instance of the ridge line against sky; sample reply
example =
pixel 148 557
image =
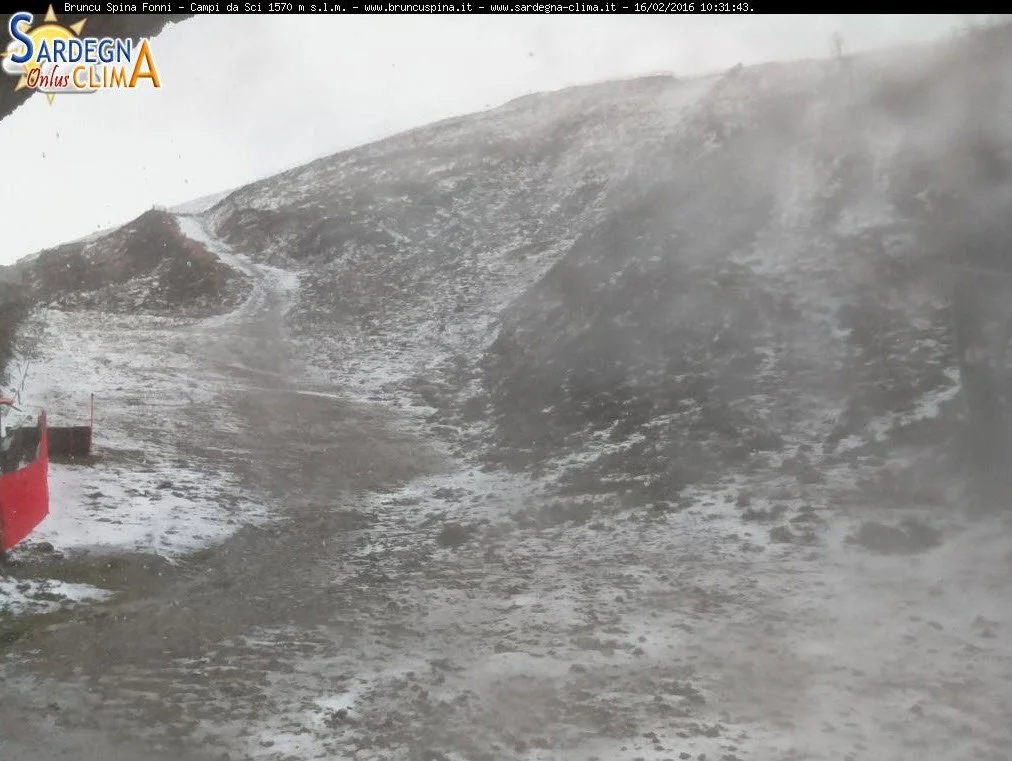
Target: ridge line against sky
pixel 91 162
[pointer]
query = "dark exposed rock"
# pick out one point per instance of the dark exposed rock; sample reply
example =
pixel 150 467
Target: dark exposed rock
pixel 454 535
pixel 910 537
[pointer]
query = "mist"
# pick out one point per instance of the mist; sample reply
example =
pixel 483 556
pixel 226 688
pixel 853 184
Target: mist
pixel 210 128
pixel 579 390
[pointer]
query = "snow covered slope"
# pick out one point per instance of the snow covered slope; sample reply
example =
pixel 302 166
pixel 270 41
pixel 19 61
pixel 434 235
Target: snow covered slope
pixel 637 285
pixel 704 271
pixel 147 266
pixel 615 423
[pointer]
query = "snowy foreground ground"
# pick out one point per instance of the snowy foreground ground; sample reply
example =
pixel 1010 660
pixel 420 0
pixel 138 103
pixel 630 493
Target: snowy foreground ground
pixel 142 492
pixel 640 636
pixel 464 615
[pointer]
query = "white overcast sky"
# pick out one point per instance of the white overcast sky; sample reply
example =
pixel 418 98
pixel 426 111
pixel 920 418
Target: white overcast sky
pixel 244 97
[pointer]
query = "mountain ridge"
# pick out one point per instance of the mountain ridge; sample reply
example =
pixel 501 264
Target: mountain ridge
pixel 639 244
pixel 631 424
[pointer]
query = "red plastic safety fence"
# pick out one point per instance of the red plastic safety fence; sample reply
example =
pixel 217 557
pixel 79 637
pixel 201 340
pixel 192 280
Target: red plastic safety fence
pixel 24 494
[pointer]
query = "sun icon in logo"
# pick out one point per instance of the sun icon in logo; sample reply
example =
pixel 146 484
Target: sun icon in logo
pixel 46 33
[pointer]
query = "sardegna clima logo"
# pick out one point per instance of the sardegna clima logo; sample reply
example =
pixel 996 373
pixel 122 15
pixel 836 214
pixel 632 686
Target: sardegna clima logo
pixel 54 59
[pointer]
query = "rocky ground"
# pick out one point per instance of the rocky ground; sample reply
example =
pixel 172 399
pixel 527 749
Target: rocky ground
pixel 383 598
pixel 616 424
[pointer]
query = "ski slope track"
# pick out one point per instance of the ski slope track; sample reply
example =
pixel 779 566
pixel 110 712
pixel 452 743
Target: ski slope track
pixel 615 423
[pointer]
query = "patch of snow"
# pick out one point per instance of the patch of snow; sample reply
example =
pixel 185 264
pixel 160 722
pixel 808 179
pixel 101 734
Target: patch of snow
pixel 145 489
pixel 162 508
pixel 193 228
pixel 33 596
pixel 200 205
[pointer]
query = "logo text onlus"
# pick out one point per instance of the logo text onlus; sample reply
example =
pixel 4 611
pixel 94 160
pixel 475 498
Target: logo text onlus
pixel 54 59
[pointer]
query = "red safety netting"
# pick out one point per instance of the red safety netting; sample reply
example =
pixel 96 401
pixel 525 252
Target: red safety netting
pixel 24 494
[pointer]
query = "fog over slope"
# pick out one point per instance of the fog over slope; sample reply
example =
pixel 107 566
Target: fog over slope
pixel 742 263
pixel 725 266
pixel 650 281
pixel 626 421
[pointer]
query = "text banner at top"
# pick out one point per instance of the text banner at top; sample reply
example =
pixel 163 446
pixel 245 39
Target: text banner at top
pixel 360 6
